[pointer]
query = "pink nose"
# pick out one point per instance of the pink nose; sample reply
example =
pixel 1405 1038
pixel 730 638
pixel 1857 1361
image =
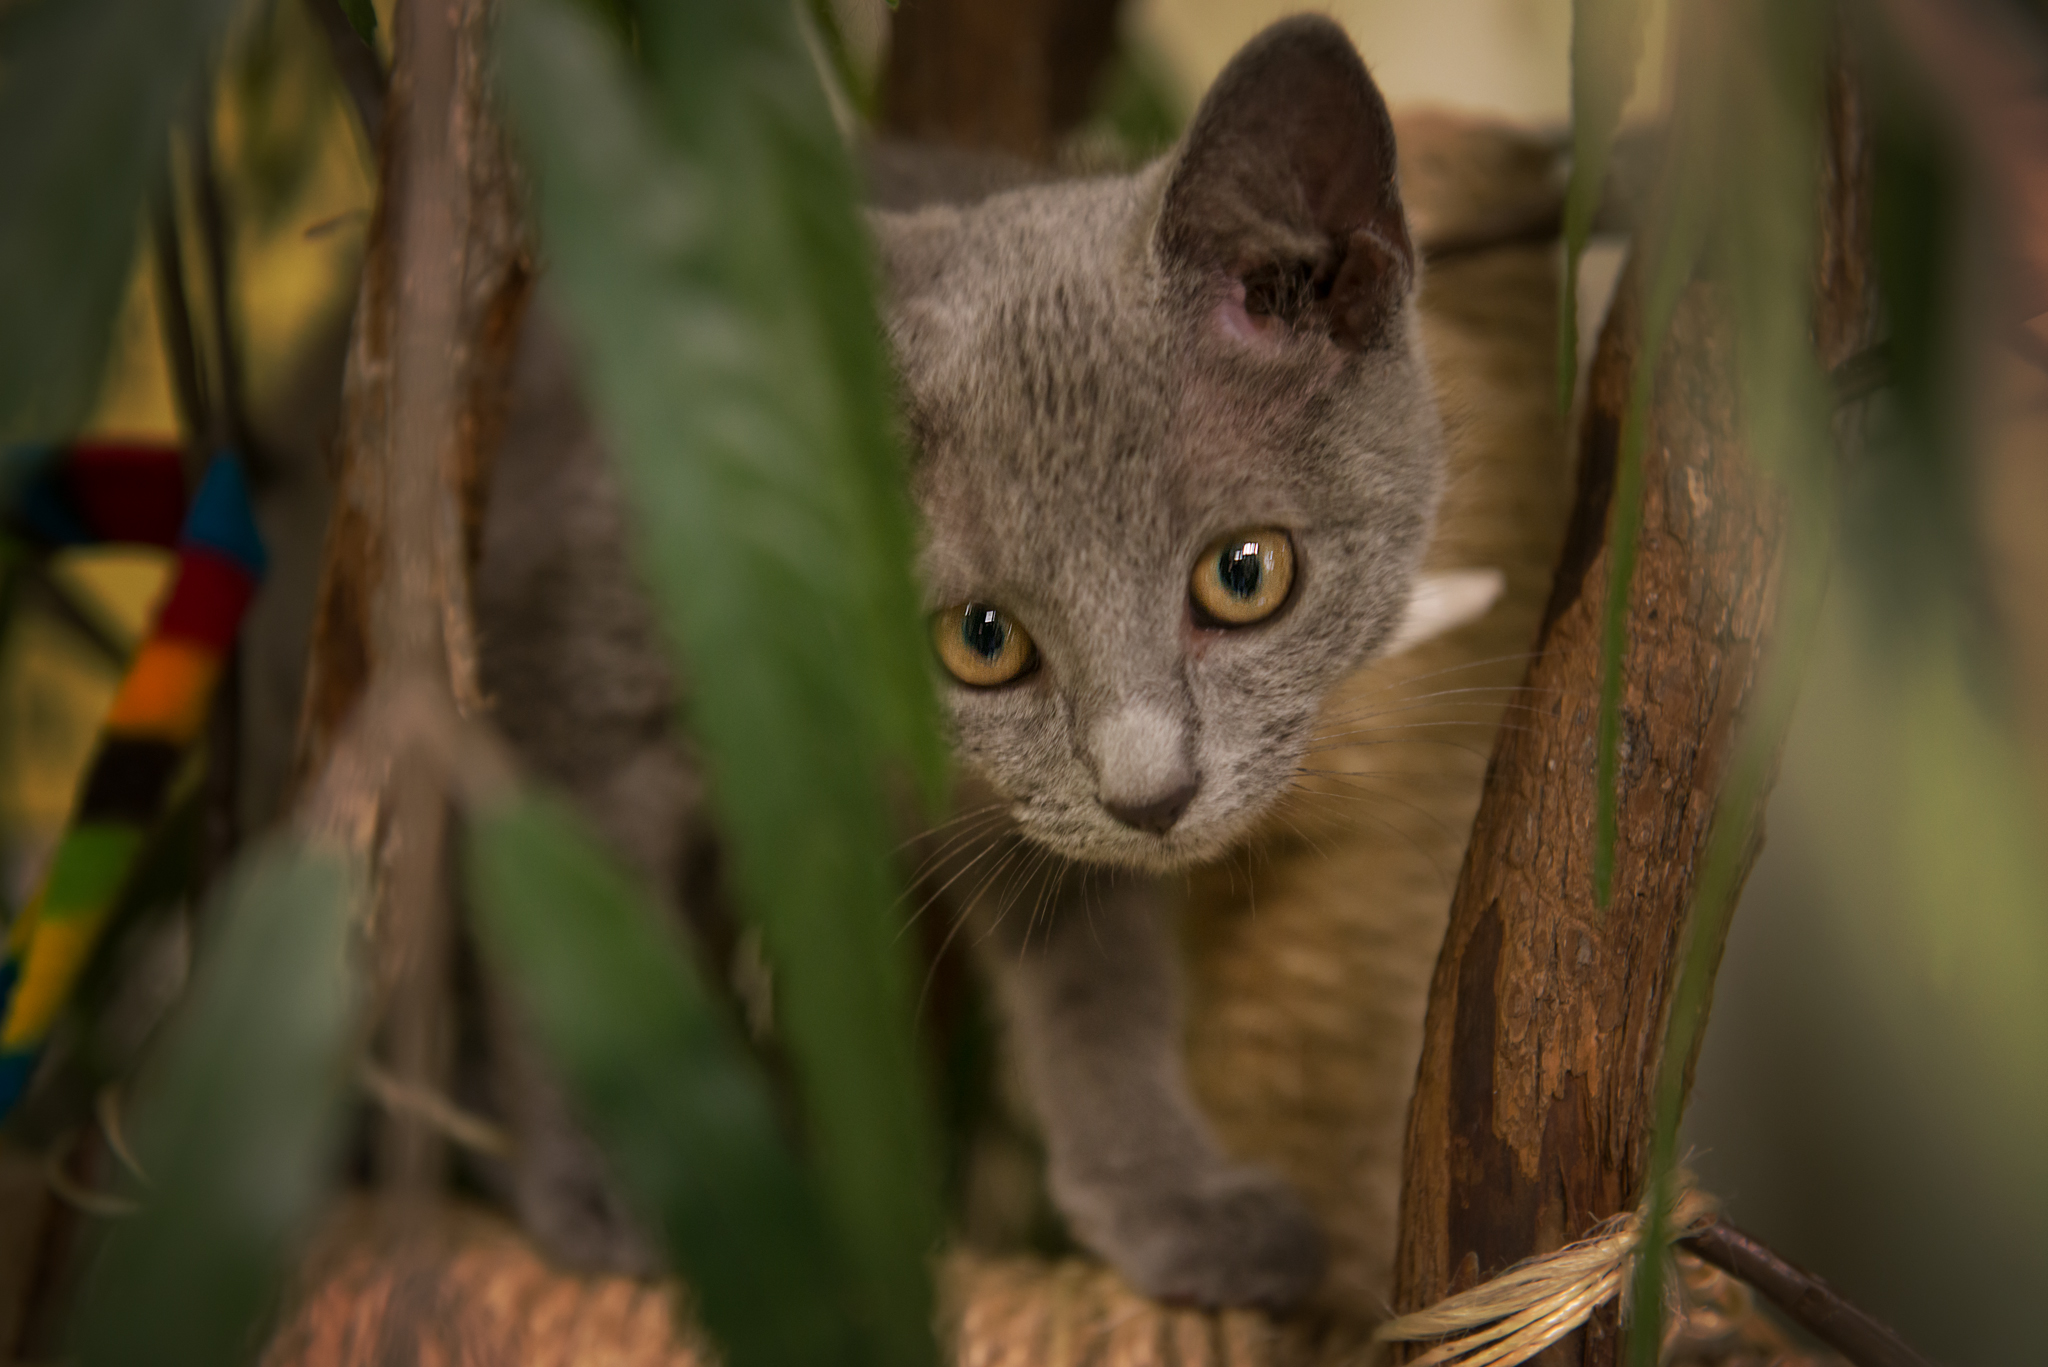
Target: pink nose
pixel 1159 815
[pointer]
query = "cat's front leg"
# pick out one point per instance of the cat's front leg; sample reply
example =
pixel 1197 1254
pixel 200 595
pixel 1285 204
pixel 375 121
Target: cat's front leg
pixel 1092 993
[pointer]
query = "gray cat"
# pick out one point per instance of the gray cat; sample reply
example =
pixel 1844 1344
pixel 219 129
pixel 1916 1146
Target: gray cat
pixel 1176 459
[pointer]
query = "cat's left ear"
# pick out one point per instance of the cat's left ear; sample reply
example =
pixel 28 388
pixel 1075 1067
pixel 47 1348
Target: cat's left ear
pixel 1285 186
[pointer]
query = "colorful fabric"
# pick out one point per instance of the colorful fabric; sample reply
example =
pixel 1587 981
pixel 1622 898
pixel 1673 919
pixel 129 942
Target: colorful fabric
pixel 96 494
pixel 121 493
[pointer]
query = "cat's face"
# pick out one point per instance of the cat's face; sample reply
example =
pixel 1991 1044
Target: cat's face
pixel 1176 458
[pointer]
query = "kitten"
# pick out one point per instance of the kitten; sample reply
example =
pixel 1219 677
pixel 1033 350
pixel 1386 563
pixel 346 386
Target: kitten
pixel 1177 459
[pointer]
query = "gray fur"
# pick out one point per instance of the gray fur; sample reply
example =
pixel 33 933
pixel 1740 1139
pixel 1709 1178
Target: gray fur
pixel 1100 378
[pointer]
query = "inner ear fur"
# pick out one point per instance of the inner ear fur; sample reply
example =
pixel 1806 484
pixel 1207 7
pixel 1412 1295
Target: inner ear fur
pixel 1286 183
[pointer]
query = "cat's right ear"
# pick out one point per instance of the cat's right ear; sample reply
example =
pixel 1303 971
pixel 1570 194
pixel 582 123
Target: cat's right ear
pixel 1285 190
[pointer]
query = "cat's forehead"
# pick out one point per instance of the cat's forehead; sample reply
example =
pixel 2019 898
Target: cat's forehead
pixel 1080 417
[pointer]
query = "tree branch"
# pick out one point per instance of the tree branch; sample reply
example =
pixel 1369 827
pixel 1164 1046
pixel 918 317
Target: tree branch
pixel 1533 1104
pixel 1816 1306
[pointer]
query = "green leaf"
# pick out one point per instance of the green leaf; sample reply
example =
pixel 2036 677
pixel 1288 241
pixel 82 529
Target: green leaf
pixel 665 1083
pixel 362 17
pixel 88 92
pixel 239 1129
pixel 1607 45
pixel 698 213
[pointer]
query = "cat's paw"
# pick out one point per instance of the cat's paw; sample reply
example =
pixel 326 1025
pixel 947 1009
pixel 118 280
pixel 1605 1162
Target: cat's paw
pixel 1237 1236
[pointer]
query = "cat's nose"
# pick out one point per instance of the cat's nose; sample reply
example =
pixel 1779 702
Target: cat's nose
pixel 1157 816
pixel 1142 770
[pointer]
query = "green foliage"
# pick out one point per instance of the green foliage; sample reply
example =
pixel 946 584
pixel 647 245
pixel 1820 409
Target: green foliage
pixel 282 82
pixel 1142 107
pixel 698 214
pixel 362 17
pixel 666 1085
pixel 238 1131
pixel 1909 524
pixel 1607 45
pixel 857 85
pixel 88 92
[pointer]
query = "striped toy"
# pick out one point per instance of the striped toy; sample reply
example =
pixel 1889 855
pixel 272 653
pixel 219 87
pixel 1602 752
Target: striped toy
pixel 98 494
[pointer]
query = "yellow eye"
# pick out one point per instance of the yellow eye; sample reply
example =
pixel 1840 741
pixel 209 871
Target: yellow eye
pixel 1244 578
pixel 981 646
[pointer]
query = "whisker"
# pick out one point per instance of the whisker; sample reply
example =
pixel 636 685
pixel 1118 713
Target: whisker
pixel 1442 875
pixel 1366 793
pixel 1406 680
pixel 952 820
pixel 1047 900
pixel 951 845
pixel 1432 701
pixel 928 872
pixel 1406 698
pixel 1307 839
pixel 1024 881
pixel 1330 738
pixel 1327 748
pixel 994 872
pixel 940 891
pixel 1358 726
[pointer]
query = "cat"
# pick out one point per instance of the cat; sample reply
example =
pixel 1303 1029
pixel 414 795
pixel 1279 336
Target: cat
pixel 1177 457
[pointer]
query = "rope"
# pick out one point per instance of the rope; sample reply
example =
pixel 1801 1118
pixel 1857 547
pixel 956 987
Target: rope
pixel 1538 1301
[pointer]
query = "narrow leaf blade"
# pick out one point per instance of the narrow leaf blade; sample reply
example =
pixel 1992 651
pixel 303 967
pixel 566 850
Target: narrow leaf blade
pixel 239 1133
pixel 1607 45
pixel 668 1089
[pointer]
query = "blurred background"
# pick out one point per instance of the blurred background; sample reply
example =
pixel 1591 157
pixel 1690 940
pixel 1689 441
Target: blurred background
pixel 1872 1097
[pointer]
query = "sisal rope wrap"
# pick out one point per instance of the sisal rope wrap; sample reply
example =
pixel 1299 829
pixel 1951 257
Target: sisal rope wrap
pixel 1538 1301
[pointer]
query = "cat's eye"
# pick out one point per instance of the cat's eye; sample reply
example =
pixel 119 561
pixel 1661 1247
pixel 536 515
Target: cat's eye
pixel 980 645
pixel 1244 578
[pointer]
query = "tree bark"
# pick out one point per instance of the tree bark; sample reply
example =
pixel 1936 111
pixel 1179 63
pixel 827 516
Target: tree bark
pixel 475 183
pixel 1532 1111
pixel 445 282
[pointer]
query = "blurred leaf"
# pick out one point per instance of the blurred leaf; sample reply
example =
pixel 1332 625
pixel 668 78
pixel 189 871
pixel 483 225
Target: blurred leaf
pixel 1910 521
pixel 665 1083
pixel 1757 189
pixel 701 230
pixel 238 1129
pixel 88 91
pixel 857 85
pixel 283 87
pixel 362 17
pixel 1607 46
pixel 1143 108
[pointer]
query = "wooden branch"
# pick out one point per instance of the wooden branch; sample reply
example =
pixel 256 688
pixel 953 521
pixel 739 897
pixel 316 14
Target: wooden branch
pixel 445 281
pixel 1532 1108
pixel 1009 77
pixel 1817 1307
pixel 487 254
